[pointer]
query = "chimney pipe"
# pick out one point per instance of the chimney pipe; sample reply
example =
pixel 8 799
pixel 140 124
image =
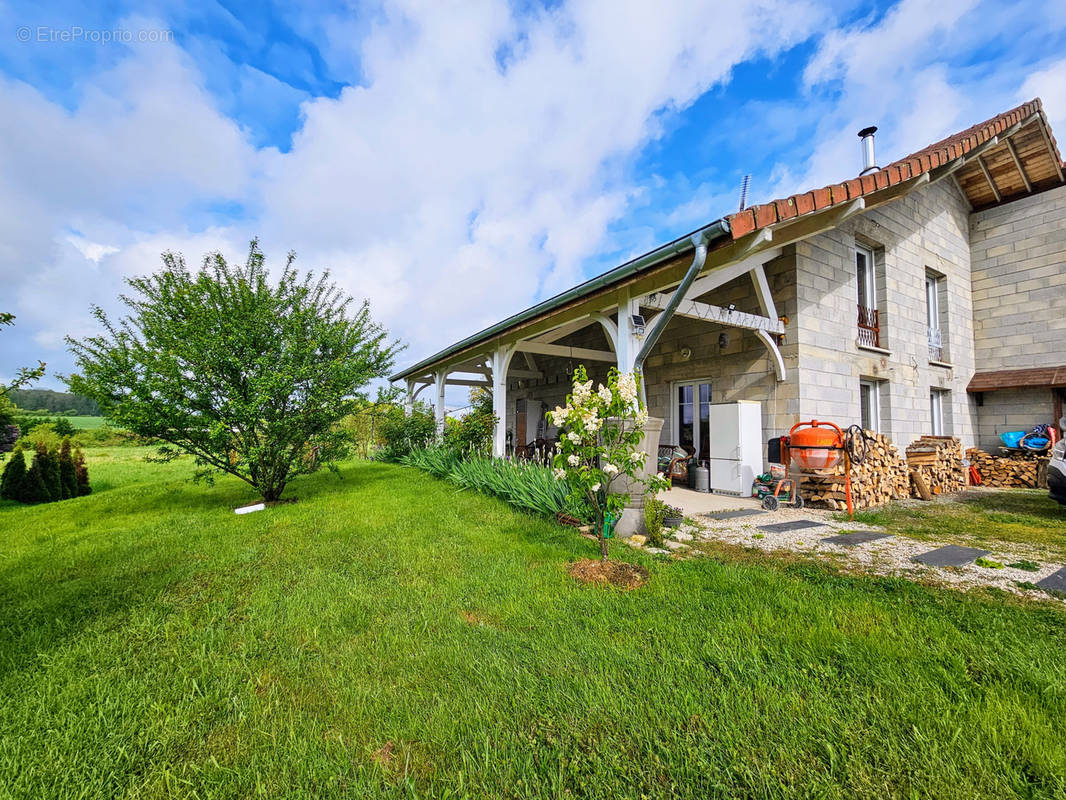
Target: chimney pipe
pixel 868 163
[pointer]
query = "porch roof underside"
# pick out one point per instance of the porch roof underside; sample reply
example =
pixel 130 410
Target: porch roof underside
pixel 1035 377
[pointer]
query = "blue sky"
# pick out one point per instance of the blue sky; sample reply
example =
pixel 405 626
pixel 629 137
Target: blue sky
pixel 454 164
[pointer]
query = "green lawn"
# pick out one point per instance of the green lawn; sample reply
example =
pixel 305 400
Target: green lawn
pixel 984 517
pixel 388 637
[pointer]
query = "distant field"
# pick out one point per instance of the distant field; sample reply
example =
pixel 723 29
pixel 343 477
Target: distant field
pixel 87 423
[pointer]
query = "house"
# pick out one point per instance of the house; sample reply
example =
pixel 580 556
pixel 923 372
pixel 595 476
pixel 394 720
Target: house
pixel 927 296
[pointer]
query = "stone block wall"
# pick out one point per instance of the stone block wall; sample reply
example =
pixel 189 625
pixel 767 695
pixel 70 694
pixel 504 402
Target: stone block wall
pixel 1019 282
pixel 925 231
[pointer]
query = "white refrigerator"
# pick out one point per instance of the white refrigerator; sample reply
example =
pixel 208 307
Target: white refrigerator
pixel 736 446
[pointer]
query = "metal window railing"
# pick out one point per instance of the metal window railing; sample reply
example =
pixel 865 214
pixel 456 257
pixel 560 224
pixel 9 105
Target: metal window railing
pixel 869 327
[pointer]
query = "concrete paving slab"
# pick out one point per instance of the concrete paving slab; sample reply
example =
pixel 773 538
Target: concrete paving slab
pixel 795 525
pixel 1055 582
pixel 951 556
pixel 855 538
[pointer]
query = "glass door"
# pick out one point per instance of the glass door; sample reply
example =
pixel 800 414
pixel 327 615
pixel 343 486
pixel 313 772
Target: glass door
pixel 694 417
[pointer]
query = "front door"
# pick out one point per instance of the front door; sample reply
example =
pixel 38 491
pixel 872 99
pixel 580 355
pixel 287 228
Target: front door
pixel 694 416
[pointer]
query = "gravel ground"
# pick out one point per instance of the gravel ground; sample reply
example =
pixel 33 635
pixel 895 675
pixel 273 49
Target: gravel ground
pixel 890 556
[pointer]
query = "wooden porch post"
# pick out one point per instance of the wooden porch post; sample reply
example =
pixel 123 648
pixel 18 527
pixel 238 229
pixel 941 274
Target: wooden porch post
pixel 440 377
pixel 501 360
pixel 409 398
pixel 627 346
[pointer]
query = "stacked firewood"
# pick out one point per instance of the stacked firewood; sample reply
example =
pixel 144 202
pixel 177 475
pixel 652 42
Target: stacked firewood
pixel 880 478
pixel 936 467
pixel 1021 470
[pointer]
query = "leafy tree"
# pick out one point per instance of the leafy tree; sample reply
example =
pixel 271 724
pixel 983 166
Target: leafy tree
pixel 402 434
pixel 24 376
pixel 249 377
pixel 471 434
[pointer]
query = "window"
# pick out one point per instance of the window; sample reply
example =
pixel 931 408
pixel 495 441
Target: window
pixel 936 411
pixel 870 406
pixel 869 319
pixel 934 286
pixel 694 417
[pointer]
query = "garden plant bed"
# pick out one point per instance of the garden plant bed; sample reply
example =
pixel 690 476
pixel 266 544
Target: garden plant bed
pixel 619 574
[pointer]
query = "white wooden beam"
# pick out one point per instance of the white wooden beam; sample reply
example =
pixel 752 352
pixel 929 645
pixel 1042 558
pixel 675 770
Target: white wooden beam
pixel 769 310
pixel 563 330
pixel 895 191
pixel 723 316
pixel 563 351
pixel 719 276
pixel 762 291
pixel 775 353
pixel 530 361
pixel 464 382
pixel 610 330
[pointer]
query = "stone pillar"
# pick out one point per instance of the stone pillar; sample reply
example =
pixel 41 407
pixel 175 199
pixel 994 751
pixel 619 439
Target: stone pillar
pixel 632 520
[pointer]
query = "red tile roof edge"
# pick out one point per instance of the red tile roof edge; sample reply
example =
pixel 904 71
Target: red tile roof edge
pixel 760 216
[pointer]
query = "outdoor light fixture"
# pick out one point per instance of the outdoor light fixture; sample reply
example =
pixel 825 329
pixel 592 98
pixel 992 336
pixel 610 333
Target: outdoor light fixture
pixel 732 307
pixel 637 321
pixel 723 340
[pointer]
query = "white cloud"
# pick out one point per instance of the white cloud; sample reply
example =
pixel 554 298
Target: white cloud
pixel 1049 85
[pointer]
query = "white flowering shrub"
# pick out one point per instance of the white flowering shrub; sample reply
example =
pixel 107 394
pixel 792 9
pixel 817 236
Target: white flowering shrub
pixel 599 445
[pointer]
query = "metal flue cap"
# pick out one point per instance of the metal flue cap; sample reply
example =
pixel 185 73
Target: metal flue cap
pixel 868 163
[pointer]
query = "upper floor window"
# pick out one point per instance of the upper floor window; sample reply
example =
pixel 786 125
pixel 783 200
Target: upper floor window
pixel 869 318
pixel 934 288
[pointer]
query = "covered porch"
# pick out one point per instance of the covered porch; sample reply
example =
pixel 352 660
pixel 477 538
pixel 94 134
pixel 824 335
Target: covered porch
pixel 696 317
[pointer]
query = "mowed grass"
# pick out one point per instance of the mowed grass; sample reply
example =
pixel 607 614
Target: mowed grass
pixel 983 517
pixel 388 637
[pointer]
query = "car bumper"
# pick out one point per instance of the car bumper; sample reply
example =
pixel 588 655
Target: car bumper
pixel 1056 481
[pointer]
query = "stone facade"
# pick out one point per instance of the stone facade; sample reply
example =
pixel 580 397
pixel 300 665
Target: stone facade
pixel 1019 299
pixel 923 233
pixel 994 270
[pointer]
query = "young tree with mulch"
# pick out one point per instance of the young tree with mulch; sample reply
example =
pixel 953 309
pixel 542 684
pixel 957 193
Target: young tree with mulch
pixel 247 375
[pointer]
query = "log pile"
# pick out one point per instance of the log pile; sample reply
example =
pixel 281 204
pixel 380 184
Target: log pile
pixel 1021 470
pixel 936 467
pixel 880 478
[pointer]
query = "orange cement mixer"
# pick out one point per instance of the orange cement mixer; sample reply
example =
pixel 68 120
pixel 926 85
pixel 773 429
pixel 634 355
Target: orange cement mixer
pixel 817 445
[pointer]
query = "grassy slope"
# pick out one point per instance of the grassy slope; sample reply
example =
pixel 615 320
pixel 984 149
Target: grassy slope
pixel 87 423
pixel 153 643
pixel 1019 516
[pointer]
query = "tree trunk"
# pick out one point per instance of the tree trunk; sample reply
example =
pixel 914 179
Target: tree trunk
pixel 601 537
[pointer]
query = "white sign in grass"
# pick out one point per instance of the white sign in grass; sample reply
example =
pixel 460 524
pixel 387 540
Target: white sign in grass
pixel 249 509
